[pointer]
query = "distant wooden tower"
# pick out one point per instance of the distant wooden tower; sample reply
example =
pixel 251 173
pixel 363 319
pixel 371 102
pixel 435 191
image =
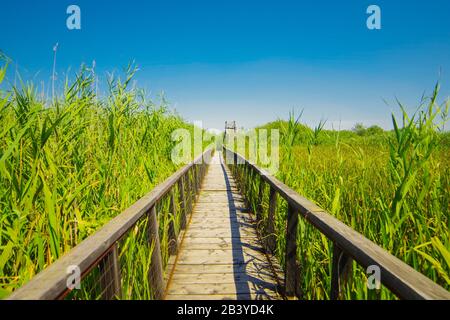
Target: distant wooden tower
pixel 230 129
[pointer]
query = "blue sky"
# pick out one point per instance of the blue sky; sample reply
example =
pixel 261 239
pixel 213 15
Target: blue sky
pixel 249 61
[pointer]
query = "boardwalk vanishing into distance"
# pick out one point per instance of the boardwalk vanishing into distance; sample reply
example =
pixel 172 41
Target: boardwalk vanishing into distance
pixel 195 237
pixel 221 256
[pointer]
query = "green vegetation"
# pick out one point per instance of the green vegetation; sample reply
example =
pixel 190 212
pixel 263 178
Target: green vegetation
pixel 70 165
pixel 393 187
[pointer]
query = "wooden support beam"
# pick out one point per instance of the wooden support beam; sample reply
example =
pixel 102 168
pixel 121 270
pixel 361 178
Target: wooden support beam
pixel 189 191
pixel 199 177
pixel 194 182
pixel 260 207
pixel 236 169
pixel 341 268
pixel 248 183
pixel 155 274
pixel 172 233
pixel 271 240
pixel 244 177
pixel 182 200
pixel 110 281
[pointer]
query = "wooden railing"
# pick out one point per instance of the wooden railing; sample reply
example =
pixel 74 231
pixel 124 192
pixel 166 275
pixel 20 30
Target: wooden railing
pixel 348 245
pixel 98 255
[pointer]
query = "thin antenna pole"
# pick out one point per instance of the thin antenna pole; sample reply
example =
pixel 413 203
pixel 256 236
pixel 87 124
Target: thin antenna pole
pixel 42 91
pixel 95 80
pixel 15 75
pixel 55 49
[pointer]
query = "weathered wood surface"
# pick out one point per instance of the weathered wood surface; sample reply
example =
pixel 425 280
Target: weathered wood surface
pixel 220 255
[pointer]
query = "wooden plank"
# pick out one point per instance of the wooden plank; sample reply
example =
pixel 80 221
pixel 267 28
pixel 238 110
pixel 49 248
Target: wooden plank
pixel 235 226
pixel 217 243
pixel 221 208
pixel 220 246
pixel 220 239
pixel 243 289
pixel 224 213
pixel 221 234
pixel 224 253
pixel 232 226
pixel 218 193
pixel 219 186
pixel 224 277
pixel 241 258
pixel 223 200
pixel 221 297
pixel 220 219
pixel 256 267
pixel 201 297
pixel 220 203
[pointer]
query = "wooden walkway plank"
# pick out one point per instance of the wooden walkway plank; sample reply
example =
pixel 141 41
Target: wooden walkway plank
pixel 220 256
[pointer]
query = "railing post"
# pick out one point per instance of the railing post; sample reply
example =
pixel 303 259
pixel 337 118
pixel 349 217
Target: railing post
pixel 194 181
pixel 259 209
pixel 172 233
pixel 189 191
pixel 341 267
pixel 243 178
pixel 291 253
pixel 110 282
pixel 249 180
pixel 182 203
pixel 198 170
pixel 155 274
pixel 270 231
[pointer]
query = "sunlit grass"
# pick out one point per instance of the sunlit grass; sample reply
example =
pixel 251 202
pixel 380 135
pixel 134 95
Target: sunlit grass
pixel 70 165
pixel 393 187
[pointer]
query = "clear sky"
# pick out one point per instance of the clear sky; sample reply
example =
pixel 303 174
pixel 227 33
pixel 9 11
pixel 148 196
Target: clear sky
pixel 249 61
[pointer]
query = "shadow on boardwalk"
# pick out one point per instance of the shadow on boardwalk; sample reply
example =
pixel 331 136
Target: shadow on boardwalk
pixel 242 279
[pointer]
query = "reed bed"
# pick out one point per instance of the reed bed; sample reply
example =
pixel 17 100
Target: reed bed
pixel 69 165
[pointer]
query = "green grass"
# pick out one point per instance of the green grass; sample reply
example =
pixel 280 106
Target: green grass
pixel 70 165
pixel 393 187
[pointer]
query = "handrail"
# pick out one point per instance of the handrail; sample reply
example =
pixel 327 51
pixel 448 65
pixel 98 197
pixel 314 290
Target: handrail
pixel 397 276
pixel 51 283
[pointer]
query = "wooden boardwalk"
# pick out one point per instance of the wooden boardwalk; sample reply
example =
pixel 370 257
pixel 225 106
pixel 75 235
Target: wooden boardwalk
pixel 220 255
